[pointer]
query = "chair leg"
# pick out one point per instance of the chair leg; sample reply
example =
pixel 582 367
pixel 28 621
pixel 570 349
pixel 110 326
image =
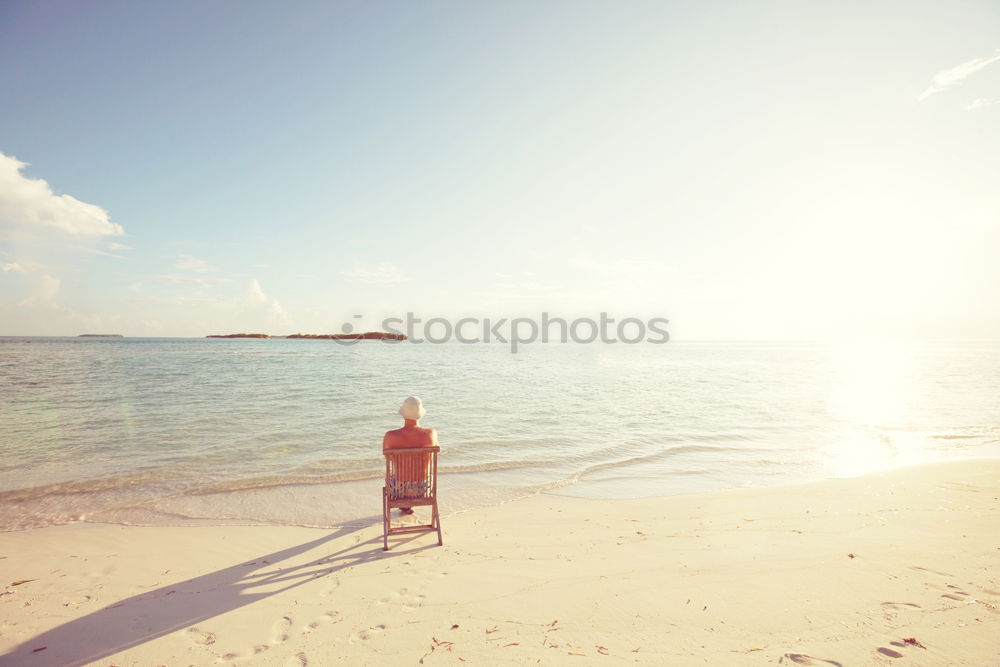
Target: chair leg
pixel 437 520
pixel 385 520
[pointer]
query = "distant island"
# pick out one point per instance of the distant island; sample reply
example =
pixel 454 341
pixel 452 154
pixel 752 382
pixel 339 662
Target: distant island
pixel 368 335
pixel 100 336
pixel 239 335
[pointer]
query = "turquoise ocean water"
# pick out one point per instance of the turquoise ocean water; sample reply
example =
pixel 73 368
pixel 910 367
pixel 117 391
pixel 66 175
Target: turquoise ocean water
pixel 189 431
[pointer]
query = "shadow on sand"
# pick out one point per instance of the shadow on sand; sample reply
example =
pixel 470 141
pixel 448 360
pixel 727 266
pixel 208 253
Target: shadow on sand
pixel 153 614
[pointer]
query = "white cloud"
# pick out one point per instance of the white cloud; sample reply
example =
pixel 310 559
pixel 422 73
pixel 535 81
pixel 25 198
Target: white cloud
pixel 982 103
pixel 13 267
pixel 255 293
pixel 41 313
pixel 30 202
pixel 383 273
pixel 955 75
pixel 118 246
pixel 193 264
pixel 97 251
pixel 173 279
pixel 257 299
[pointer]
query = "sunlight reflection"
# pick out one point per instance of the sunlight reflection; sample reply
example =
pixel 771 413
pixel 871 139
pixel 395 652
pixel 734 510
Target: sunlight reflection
pixel 872 383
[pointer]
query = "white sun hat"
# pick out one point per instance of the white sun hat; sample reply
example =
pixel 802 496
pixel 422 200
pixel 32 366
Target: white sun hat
pixel 412 408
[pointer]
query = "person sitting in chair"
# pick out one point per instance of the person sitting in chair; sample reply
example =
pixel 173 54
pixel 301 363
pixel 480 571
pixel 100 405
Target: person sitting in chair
pixel 412 434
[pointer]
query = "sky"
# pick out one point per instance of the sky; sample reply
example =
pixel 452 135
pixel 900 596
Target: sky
pixel 751 171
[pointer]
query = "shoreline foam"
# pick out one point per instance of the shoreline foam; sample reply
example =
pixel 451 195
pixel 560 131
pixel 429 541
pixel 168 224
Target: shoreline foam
pixel 279 500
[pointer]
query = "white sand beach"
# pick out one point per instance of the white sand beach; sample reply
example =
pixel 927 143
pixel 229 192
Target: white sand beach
pixel 896 568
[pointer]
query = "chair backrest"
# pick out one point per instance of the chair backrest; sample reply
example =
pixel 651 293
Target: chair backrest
pixel 411 473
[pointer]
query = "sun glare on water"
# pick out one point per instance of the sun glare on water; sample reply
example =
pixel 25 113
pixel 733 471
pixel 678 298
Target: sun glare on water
pixel 872 385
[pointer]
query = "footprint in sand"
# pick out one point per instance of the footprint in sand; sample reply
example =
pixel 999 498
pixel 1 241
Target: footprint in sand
pixel 199 637
pixel 279 631
pixel 890 610
pixel 331 585
pixel 953 591
pixel 297 660
pixel 404 598
pixel 368 633
pixel 955 594
pixel 79 599
pixel 889 652
pixel 927 569
pixel 328 617
pixel 803 659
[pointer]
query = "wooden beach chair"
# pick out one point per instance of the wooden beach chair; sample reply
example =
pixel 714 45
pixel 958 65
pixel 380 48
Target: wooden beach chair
pixel 410 481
